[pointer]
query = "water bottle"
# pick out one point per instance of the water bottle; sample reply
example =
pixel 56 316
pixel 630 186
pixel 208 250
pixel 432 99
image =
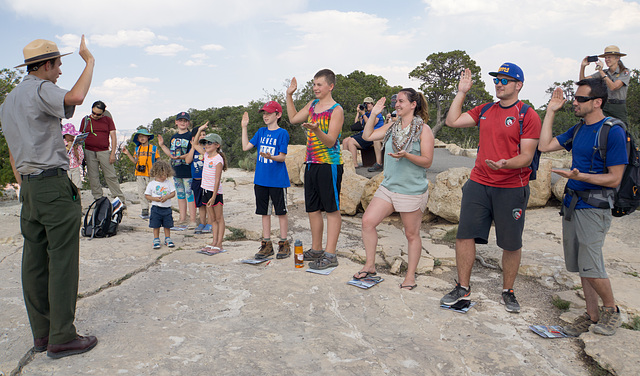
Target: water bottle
pixel 298 256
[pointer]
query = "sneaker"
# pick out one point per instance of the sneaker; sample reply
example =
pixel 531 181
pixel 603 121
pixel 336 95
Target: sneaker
pixel 375 167
pixel 199 229
pixel 609 321
pixel 510 302
pixel 168 242
pixel 206 229
pixel 284 250
pixel 156 243
pixel 311 255
pixel 144 214
pixel 580 325
pixel 266 250
pixel 326 261
pixel 458 293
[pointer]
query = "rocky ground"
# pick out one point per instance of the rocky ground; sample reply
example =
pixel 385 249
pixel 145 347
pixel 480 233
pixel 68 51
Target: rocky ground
pixel 176 312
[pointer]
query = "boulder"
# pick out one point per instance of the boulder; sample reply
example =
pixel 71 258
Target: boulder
pixel 558 188
pixel 370 189
pixel 295 160
pixel 353 186
pixel 445 194
pixel 541 187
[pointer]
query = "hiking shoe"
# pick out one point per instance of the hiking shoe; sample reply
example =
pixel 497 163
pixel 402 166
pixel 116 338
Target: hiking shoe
pixel 284 250
pixel 458 293
pixel 375 167
pixel 169 243
pixel 266 250
pixel 327 260
pixel 206 229
pixel 510 302
pixel 156 243
pixel 311 255
pixel 609 321
pixel 580 325
pixel 199 229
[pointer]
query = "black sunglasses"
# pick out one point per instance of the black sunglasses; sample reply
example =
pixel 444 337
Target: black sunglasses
pixel 97 115
pixel 203 142
pixel 582 99
pixel 503 81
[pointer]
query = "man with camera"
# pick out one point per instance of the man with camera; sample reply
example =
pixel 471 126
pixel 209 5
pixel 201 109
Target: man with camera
pixel 356 141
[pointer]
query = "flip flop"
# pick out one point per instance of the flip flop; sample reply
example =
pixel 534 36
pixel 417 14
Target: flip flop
pixel 213 251
pixel 205 250
pixel 410 287
pixel 366 275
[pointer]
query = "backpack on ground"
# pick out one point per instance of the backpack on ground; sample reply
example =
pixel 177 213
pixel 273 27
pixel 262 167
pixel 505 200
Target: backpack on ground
pixel 104 221
pixel 624 199
pixel 535 162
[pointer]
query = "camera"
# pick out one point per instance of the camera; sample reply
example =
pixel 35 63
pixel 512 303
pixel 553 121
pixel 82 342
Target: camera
pixel 362 106
pixel 141 168
pixel 592 59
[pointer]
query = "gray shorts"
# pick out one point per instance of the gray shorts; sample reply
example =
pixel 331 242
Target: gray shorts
pixel 583 237
pixel 483 204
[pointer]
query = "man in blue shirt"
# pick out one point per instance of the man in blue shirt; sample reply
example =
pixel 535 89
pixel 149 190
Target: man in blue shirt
pixel 585 227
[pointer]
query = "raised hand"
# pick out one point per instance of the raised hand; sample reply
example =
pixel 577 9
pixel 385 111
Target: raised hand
pixel 204 126
pixel 160 140
pixel 293 86
pixel 557 100
pixel 378 107
pixel 84 51
pixel 245 119
pixel 465 81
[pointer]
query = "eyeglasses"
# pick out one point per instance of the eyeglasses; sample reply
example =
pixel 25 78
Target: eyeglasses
pixel 96 115
pixel 503 81
pixel 582 99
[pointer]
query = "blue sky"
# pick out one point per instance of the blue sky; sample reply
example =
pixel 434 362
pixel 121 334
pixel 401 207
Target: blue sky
pixel 156 58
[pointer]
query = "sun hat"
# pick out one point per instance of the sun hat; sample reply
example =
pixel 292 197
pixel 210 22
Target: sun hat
pixel 612 50
pixel 511 70
pixel 69 129
pixel 271 107
pixel 213 137
pixel 368 100
pixel 40 50
pixel 183 115
pixel 143 132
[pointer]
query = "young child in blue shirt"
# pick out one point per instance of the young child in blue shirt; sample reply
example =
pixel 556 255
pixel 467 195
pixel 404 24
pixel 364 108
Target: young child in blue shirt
pixel 271 178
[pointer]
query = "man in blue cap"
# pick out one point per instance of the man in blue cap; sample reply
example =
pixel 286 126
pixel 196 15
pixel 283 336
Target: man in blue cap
pixel 498 187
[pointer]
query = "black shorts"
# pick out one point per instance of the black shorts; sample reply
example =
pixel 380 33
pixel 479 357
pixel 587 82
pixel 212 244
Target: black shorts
pixel 482 204
pixel 197 192
pixel 364 144
pixel 206 196
pixel 160 217
pixel 322 183
pixel 268 197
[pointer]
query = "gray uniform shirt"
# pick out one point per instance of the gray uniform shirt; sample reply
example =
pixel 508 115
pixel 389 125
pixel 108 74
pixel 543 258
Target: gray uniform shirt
pixel 30 117
pixel 620 94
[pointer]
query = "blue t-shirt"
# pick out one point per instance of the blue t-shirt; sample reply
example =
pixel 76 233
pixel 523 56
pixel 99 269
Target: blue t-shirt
pixel 196 165
pixel 379 124
pixel 582 151
pixel 270 173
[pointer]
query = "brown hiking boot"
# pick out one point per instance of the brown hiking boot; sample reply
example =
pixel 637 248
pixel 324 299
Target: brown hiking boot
pixel 609 321
pixel 580 325
pixel 266 250
pixel 284 250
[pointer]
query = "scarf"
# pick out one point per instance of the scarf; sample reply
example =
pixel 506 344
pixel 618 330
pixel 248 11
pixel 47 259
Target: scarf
pixel 403 139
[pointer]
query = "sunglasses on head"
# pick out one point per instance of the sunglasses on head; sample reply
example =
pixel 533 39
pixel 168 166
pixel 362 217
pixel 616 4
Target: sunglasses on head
pixel 503 81
pixel 582 99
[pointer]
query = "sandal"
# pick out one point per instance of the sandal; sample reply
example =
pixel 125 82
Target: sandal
pixel 366 275
pixel 205 250
pixel 213 251
pixel 410 287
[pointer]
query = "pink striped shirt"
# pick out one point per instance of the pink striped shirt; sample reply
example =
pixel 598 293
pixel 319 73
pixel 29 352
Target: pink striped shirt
pixel 209 172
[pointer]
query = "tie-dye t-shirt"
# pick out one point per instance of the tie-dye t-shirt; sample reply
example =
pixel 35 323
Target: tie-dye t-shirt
pixel 317 152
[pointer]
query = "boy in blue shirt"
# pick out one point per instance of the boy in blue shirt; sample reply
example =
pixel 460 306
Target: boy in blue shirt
pixel 271 178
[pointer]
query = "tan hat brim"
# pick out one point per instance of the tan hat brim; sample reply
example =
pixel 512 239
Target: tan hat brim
pixel 39 60
pixel 613 53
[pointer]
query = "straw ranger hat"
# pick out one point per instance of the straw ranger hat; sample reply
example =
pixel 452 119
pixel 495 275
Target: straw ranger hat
pixel 40 50
pixel 612 50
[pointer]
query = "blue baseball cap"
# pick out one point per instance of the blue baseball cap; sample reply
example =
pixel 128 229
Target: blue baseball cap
pixel 511 70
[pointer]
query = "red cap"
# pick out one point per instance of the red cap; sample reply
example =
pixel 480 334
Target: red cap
pixel 271 107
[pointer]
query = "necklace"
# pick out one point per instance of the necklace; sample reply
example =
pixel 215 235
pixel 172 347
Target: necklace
pixel 403 139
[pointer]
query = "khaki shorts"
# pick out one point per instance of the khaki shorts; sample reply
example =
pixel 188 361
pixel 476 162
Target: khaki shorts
pixel 403 203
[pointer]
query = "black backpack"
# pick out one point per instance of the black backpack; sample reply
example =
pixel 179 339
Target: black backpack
pixel 626 197
pixel 535 162
pixel 103 223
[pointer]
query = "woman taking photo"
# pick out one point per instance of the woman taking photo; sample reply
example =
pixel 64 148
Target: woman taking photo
pixel 616 77
pixel 408 141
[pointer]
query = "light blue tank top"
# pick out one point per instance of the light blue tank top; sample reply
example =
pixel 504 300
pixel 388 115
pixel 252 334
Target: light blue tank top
pixel 401 175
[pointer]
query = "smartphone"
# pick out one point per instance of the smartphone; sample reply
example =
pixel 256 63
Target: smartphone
pixel 592 59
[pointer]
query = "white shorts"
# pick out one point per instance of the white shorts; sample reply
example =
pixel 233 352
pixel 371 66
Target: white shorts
pixel 403 203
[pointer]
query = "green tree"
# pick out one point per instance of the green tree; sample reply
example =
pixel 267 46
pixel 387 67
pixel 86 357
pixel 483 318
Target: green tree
pixel 633 103
pixel 9 78
pixel 565 118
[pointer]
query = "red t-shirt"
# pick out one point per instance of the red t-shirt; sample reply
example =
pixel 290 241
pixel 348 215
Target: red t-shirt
pixel 500 139
pixel 98 139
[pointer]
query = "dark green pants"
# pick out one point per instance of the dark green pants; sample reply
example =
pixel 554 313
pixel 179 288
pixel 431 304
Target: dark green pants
pixel 616 110
pixel 50 224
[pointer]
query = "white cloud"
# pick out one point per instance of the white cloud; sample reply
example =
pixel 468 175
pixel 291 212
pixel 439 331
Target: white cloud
pixel 137 38
pixel 212 47
pixel 68 42
pixel 165 49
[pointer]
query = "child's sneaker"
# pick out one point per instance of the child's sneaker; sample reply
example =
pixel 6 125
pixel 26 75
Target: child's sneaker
pixel 156 243
pixel 284 250
pixel 168 242
pixel 609 321
pixel 266 250
pixel 199 229
pixel 327 260
pixel 144 214
pixel 206 229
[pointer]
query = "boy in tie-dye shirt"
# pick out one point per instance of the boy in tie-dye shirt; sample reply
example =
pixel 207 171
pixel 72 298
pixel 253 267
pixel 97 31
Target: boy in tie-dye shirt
pixel 322 119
